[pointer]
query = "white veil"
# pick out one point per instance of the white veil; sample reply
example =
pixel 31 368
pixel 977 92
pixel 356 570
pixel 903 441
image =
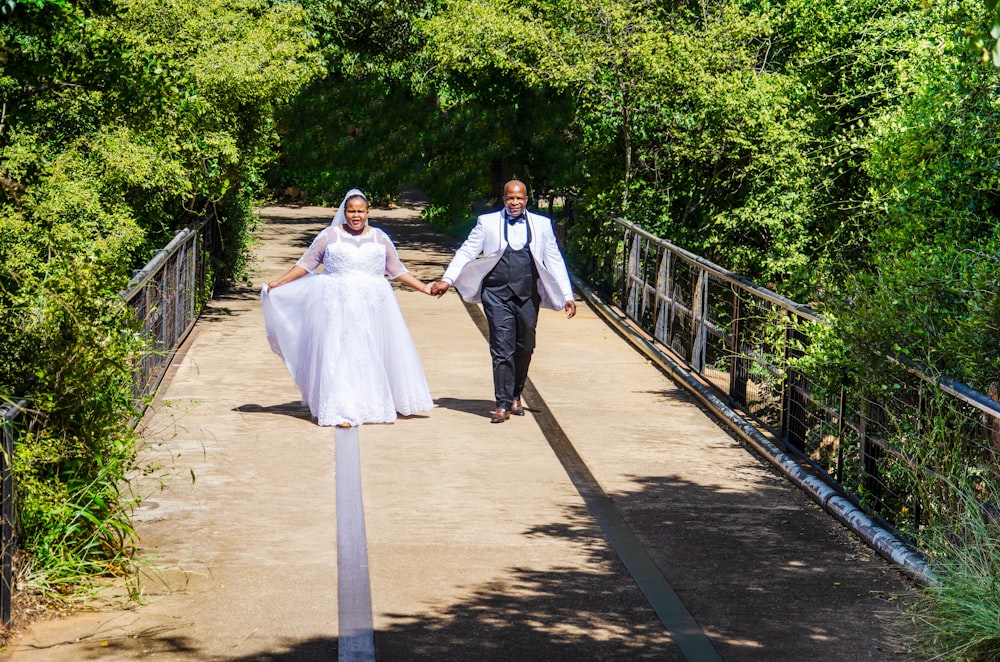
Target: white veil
pixel 341 217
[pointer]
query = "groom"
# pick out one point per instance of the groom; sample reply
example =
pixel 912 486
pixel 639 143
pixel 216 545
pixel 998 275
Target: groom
pixel 521 269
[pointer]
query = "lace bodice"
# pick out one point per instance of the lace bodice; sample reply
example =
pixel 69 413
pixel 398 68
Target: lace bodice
pixel 340 252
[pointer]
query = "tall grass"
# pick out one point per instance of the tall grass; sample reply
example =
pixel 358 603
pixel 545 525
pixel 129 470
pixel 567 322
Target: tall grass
pixel 958 618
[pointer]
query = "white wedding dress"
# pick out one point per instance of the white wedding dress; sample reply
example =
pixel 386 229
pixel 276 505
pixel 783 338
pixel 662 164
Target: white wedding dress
pixel 342 335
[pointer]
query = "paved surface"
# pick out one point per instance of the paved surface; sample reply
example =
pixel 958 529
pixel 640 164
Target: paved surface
pixel 480 546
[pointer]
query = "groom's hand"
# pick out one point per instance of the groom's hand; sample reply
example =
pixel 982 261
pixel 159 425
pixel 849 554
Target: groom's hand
pixel 438 288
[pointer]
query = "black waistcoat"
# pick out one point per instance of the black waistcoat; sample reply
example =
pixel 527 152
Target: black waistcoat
pixel 515 274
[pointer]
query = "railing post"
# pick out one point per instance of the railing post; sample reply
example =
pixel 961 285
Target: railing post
pixel 662 298
pixel 870 453
pixel 699 310
pixel 841 415
pixel 7 413
pixel 622 288
pixel 739 365
pixel 644 297
pixel 922 412
pixel 629 294
pixel 793 423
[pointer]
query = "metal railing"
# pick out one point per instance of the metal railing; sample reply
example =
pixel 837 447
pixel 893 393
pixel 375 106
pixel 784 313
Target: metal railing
pixel 744 341
pixel 166 297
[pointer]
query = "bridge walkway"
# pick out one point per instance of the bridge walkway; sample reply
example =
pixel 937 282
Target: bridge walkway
pixel 483 542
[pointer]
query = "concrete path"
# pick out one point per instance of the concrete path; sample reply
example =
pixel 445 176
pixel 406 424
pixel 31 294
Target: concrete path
pixel 479 543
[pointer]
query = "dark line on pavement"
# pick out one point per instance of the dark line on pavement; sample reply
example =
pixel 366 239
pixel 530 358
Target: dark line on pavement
pixel 683 628
pixel 356 637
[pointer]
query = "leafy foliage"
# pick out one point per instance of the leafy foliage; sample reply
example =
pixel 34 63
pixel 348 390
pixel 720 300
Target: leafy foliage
pixel 121 121
pixel 930 219
pixel 674 122
pixel 387 116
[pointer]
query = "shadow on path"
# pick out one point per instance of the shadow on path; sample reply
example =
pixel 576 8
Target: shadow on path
pixel 753 612
pixel 294 409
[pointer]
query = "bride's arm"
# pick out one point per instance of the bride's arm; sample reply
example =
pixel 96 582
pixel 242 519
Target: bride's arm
pixel 294 273
pixel 308 263
pixel 408 279
pixel 394 267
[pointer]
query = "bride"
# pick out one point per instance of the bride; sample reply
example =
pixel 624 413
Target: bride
pixel 340 332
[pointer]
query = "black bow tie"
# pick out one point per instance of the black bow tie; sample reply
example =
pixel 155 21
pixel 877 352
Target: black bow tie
pixel 515 219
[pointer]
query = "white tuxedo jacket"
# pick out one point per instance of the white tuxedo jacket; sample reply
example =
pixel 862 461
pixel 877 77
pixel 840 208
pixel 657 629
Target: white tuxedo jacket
pixel 467 269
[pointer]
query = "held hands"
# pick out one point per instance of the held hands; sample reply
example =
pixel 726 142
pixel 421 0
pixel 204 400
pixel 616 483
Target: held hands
pixel 438 288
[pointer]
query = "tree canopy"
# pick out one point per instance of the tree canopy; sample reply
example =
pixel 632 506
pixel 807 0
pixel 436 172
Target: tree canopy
pixel 829 150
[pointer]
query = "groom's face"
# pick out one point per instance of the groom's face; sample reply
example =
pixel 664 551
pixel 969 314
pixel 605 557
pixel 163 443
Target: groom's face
pixel 514 199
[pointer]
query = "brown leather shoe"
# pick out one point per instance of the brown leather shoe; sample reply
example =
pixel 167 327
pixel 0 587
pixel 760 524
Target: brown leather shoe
pixel 499 415
pixel 516 409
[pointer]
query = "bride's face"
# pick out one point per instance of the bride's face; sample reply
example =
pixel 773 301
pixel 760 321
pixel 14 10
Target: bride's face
pixel 356 213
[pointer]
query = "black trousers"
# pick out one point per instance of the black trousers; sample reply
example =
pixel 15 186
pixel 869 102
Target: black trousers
pixel 512 325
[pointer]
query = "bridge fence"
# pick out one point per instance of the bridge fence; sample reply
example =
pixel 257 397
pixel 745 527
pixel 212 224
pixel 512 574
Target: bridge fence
pixel 166 296
pixel 744 342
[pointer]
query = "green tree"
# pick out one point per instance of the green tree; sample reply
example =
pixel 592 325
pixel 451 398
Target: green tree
pixel 388 115
pixel 677 119
pixel 121 121
pixel 928 290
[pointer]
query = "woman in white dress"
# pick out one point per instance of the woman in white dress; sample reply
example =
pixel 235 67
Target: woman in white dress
pixel 340 331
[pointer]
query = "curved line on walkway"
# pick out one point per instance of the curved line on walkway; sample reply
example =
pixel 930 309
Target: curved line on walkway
pixel 685 631
pixel 356 635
